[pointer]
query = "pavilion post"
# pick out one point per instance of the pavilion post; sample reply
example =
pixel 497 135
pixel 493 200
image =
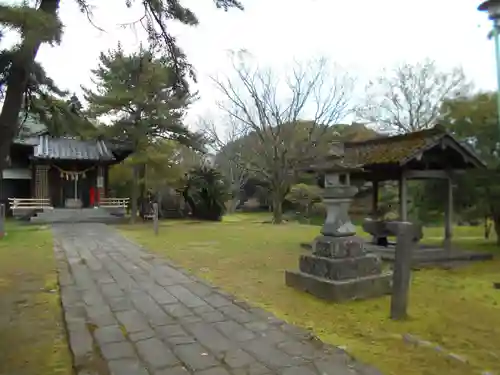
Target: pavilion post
pixel 448 215
pixel 403 197
pixel 375 192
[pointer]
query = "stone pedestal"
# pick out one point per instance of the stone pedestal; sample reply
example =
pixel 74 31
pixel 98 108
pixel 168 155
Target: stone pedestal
pixel 73 203
pixel 340 270
pixel 337 200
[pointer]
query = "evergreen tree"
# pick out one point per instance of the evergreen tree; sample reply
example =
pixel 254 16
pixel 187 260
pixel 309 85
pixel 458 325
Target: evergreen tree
pixel 41 24
pixel 17 68
pixel 43 98
pixel 139 93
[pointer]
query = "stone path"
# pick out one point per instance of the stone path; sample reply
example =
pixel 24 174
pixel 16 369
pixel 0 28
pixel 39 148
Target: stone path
pixel 131 313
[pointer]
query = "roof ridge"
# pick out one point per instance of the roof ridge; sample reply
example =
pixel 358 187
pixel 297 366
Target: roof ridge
pixel 437 129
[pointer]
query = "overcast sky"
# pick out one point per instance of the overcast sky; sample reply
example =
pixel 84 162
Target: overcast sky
pixel 363 36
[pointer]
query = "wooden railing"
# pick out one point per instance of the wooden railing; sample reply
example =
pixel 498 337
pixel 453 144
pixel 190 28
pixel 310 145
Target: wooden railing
pixel 30 203
pixel 114 202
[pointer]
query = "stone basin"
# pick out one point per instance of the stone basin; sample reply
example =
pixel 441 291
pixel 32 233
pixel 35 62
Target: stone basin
pixel 381 229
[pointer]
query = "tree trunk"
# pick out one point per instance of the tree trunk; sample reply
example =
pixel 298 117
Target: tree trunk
pixel 277 208
pixel 134 193
pixel 161 211
pixel 233 203
pixel 496 224
pixel 487 228
pixel 142 181
pixel 16 86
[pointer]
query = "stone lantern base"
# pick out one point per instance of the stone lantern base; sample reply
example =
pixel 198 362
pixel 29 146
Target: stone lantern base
pixel 340 270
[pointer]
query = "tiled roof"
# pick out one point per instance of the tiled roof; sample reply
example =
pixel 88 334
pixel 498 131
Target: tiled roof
pixel 71 149
pixel 402 148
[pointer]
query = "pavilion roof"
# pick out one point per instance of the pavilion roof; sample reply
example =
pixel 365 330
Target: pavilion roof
pixel 401 149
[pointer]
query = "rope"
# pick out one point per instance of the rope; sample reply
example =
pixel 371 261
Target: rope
pixel 73 175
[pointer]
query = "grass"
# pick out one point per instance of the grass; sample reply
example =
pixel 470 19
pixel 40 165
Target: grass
pixel 457 309
pixel 32 335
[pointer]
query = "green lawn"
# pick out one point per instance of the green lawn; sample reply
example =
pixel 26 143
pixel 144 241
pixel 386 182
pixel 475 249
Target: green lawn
pixel 457 309
pixel 32 335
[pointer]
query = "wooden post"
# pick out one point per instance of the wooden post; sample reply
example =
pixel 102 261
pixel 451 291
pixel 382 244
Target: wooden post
pixel 375 187
pixel 2 220
pixel 403 197
pixel 155 218
pixel 374 209
pixel 100 184
pixel 448 215
pixel 405 245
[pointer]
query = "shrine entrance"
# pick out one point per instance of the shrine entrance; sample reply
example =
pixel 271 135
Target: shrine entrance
pixel 71 187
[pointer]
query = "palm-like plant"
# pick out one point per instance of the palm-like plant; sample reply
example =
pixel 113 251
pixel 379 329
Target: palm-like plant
pixel 206 193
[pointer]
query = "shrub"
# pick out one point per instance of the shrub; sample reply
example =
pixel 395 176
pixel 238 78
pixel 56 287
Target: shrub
pixel 206 193
pixel 304 197
pixel 318 210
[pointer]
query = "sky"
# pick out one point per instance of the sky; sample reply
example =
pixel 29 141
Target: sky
pixel 363 36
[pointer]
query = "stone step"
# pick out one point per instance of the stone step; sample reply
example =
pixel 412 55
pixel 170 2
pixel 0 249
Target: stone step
pixel 77 215
pixel 341 290
pixel 341 268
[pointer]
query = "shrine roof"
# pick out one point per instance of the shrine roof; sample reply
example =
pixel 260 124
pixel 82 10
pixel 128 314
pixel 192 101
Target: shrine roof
pixel 45 146
pixel 66 148
pixel 401 149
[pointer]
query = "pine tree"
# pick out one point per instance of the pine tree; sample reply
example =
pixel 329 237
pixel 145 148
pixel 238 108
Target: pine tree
pixel 139 93
pixel 41 24
pixel 17 67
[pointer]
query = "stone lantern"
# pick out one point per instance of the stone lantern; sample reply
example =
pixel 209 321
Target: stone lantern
pixel 339 267
pixel 338 192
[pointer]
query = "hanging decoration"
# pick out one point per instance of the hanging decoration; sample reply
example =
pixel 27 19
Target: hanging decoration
pixel 73 175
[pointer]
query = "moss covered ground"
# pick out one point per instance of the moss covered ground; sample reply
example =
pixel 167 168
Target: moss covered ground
pixel 457 310
pixel 32 334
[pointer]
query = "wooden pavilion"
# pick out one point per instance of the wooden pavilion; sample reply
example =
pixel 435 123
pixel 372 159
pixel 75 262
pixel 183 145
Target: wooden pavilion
pixel 428 154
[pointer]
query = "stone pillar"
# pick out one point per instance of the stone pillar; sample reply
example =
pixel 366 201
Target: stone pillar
pixel 41 181
pixel 407 235
pixel 403 197
pixel 448 215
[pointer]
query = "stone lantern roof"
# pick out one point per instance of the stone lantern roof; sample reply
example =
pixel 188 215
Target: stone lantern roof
pixel 336 161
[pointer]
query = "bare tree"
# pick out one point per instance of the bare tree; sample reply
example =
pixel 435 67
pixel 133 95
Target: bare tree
pixel 409 97
pixel 226 139
pixel 285 119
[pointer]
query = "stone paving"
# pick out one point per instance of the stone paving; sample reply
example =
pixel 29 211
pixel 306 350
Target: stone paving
pixel 129 312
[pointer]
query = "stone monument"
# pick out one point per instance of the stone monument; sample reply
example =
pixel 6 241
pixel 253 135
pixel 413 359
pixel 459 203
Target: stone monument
pixel 339 268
